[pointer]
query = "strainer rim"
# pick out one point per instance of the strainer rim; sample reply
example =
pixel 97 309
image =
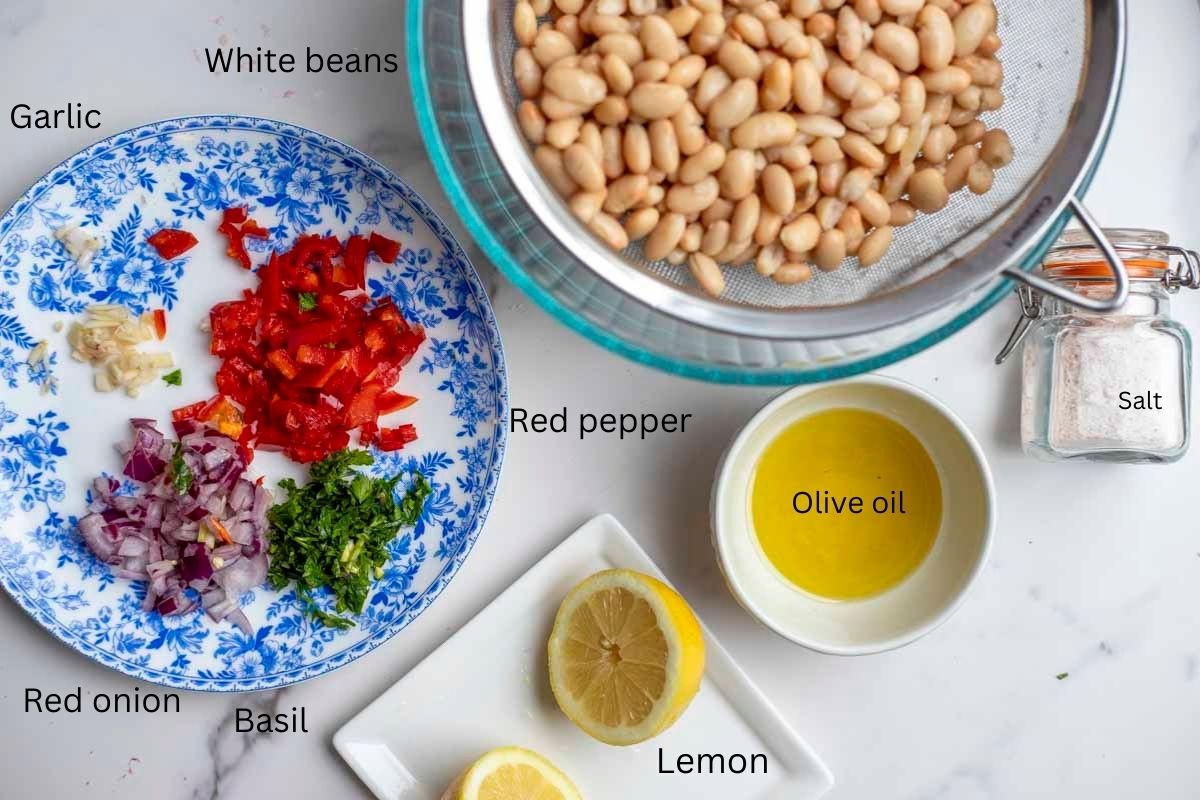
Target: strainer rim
pixel 488 241
pixel 1028 215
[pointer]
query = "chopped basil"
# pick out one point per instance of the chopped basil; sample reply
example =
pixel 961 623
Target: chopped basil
pixel 181 473
pixel 174 378
pixel 334 531
pixel 308 301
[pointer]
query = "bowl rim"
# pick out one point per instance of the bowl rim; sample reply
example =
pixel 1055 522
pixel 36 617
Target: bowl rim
pixel 994 243
pixel 713 371
pixel 720 535
pixel 716 372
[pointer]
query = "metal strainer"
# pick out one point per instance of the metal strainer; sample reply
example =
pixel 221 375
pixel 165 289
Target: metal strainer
pixel 1063 62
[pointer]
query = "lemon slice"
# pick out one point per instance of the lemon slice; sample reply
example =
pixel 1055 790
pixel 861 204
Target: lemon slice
pixel 626 656
pixel 512 773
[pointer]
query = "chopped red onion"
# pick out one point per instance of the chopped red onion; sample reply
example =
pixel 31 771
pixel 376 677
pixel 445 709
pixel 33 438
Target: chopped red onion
pixel 158 535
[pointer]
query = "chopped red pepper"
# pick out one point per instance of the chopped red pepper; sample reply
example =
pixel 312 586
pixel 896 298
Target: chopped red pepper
pixel 387 250
pixel 305 360
pixel 270 287
pixel 355 259
pixel 236 226
pixel 219 409
pixel 280 360
pixel 314 356
pixel 396 438
pixel 393 401
pixel 188 412
pixel 321 332
pixel 367 433
pixel 218 528
pixel 171 243
pixel 160 323
pixel 254 230
pixel 234 214
pixel 237 247
pixel 341 279
pixel 362 408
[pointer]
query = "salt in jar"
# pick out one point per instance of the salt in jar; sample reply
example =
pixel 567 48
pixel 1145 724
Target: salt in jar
pixel 1108 386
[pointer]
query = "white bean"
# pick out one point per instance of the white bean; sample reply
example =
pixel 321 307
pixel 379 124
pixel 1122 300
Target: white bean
pixel 736 176
pixel 664 147
pixel 830 251
pixel 715 239
pixel 850 34
pixel 739 60
pixel 971 25
pixel 802 234
pixel 636 148
pixel 769 260
pixel 980 177
pixel 576 86
pixel 608 229
pixel 792 272
pixel 745 218
pixel 562 133
pixel 875 246
pixel 532 121
pixel 996 149
pixel 767 129
pixel 550 46
pixel 527 73
pixel 658 39
pixel 935 32
pixel 707 273
pixel 665 236
pixel 625 192
pixel 927 190
pixel 702 164
pixel 684 199
pixel 550 162
pixel 899 45
pixel 641 222
pixel 586 205
pixel 657 100
pixel 734 105
pixel 778 190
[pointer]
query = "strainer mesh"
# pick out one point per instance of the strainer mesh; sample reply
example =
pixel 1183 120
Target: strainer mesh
pixel 1043 58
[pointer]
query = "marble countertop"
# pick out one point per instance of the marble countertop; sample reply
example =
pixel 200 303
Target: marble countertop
pixel 1095 571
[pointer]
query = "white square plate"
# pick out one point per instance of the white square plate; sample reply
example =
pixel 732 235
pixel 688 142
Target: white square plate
pixel 487 687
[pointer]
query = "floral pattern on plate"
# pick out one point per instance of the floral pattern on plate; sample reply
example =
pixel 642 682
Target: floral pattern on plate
pixel 56 433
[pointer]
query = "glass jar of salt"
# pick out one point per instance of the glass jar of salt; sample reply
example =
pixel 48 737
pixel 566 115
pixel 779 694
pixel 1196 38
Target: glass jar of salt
pixel 1108 386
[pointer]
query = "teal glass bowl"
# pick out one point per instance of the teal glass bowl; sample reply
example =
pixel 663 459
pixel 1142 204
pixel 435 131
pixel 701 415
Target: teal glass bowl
pixel 513 238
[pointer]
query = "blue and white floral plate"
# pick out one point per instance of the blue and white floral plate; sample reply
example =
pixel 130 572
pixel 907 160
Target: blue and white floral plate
pixel 57 433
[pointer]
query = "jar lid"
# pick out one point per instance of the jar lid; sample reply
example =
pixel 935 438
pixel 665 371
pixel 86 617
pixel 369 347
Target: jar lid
pixel 1146 255
pixel 1075 255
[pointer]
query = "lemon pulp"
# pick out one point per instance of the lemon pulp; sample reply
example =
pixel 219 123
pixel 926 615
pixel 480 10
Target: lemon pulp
pixel 835 456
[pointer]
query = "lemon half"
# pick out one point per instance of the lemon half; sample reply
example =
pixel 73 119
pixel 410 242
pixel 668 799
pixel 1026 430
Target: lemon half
pixel 512 773
pixel 626 656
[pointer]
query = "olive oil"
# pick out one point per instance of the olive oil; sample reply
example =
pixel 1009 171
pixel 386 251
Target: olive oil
pixel 846 503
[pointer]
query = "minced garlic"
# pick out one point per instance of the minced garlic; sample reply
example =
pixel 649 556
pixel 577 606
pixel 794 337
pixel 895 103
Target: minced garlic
pixel 38 356
pixel 108 338
pixel 79 244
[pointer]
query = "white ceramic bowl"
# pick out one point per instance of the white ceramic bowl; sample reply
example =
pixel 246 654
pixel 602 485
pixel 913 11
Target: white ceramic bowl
pixel 923 600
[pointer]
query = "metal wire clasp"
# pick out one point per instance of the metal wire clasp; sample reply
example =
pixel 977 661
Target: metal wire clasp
pixel 1031 310
pixel 1184 275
